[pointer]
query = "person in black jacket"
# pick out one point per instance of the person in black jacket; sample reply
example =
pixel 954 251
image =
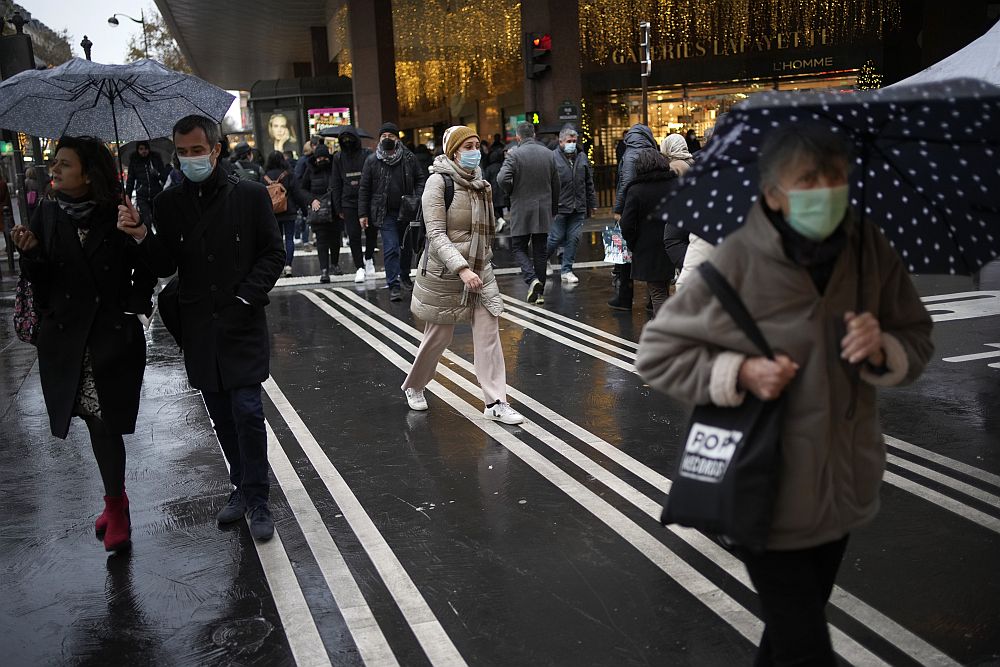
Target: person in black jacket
pixel 89 283
pixel 643 231
pixel 244 164
pixel 279 171
pixel 146 176
pixel 220 235
pixel 387 176
pixel 315 191
pixel 345 183
pixel 636 138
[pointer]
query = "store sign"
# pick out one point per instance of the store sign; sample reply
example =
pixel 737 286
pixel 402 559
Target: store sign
pixel 569 111
pixel 789 66
pixel 706 48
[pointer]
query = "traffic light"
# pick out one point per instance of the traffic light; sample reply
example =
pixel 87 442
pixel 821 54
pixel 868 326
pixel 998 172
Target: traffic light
pixel 533 117
pixel 537 46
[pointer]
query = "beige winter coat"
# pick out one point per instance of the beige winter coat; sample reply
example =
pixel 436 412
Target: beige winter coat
pixel 438 293
pixel 832 465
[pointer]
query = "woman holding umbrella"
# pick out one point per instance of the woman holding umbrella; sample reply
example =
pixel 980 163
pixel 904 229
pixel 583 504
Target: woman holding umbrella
pixel 89 285
pixel 799 263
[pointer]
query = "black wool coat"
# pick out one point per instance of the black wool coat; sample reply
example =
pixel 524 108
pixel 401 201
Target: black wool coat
pixel 643 231
pixel 224 243
pixel 87 296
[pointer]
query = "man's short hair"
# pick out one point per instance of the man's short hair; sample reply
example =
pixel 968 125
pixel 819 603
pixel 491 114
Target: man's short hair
pixel 568 131
pixel 525 130
pixel 189 124
pixel 787 144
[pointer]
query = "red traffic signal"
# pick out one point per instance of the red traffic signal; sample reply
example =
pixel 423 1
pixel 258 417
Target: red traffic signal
pixel 537 46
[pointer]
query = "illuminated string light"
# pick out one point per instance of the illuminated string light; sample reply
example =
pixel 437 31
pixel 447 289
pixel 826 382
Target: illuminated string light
pixel 868 77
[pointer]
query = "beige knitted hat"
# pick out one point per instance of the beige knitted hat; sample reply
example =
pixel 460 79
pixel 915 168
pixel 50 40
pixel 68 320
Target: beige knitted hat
pixel 455 136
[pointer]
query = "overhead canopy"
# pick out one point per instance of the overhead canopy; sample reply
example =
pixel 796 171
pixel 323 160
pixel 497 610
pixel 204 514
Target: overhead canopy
pixel 233 44
pixel 979 60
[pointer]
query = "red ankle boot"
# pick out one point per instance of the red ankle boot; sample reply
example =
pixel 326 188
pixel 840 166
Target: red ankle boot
pixel 102 521
pixel 118 530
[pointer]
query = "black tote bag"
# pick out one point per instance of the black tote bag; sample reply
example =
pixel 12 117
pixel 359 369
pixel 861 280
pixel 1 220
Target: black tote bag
pixel 727 478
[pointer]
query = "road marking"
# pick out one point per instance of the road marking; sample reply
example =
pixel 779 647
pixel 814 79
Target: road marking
pixel 624 342
pixel 942 460
pixel 507 314
pixel 371 643
pixel 296 619
pixel 962 305
pixel 955 506
pixel 432 637
pixel 920 650
pixel 978 356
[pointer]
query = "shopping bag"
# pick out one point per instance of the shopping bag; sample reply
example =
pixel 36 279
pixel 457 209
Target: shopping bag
pixel 615 249
pixel 727 477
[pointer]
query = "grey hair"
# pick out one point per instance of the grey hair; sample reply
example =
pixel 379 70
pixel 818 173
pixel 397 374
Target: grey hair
pixel 189 124
pixel 568 131
pixel 525 130
pixel 791 143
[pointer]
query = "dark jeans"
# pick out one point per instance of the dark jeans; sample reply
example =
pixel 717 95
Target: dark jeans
pixel 354 236
pixel 288 227
pixel 396 255
pixel 794 587
pixel 238 417
pixel 657 293
pixel 565 231
pixel 328 237
pixel 533 267
pixel 109 450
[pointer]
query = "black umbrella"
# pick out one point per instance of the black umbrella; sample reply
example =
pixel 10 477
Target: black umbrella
pixel 928 167
pixel 336 130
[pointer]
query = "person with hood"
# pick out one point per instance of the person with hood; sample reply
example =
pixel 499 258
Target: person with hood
pixel 691 140
pixel 389 174
pixel 577 200
pixel 456 282
pixel 675 148
pixel 278 170
pixel 530 179
pixel 642 230
pixel 146 176
pixel 797 263
pixel 636 138
pixel 315 189
pixel 345 183
pixel 244 164
pixel 89 282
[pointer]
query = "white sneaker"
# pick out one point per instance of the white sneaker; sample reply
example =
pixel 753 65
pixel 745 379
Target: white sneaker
pixel 570 277
pixel 415 399
pixel 502 412
pixel 501 223
pixel 369 268
pixel 287 272
pixel 359 275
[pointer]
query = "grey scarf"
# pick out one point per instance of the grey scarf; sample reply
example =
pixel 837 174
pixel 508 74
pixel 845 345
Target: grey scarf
pixel 78 210
pixel 389 158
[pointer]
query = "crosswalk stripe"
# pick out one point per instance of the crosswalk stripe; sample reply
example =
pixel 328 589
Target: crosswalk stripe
pixel 917 648
pixel 551 314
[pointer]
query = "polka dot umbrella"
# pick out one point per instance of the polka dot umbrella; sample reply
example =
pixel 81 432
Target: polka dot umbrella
pixel 927 167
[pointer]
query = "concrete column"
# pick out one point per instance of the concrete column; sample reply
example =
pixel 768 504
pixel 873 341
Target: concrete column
pixel 561 20
pixel 320 52
pixel 373 61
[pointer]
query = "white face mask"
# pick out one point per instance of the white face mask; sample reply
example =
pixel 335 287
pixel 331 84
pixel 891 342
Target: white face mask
pixel 569 147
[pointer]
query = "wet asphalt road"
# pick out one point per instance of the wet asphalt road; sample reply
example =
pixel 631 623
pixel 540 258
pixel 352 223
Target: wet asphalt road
pixel 438 538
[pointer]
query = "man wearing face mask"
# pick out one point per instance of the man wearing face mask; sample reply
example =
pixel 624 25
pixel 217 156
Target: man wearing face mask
pixel 220 235
pixel 389 174
pixel 797 264
pixel 345 182
pixel 577 200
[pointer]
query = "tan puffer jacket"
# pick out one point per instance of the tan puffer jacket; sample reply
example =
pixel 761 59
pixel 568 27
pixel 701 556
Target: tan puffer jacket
pixel 437 294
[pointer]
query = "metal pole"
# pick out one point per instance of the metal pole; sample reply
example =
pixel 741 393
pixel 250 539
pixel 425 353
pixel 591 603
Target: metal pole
pixel 145 37
pixel 647 66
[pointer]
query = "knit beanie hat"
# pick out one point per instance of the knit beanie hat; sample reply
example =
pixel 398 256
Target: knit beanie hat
pixel 389 127
pixel 455 136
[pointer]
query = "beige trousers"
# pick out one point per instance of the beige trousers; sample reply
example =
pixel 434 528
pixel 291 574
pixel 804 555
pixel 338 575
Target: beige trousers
pixel 487 353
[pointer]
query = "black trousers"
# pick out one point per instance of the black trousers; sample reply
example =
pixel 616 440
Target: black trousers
pixel 328 237
pixel 535 265
pixel 794 587
pixel 109 451
pixel 354 237
pixel 238 417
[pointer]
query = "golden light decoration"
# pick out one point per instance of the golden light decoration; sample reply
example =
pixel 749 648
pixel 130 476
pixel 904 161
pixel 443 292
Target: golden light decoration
pixel 868 77
pixel 449 51
pixel 606 25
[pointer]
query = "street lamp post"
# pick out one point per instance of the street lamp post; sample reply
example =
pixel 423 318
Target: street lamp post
pixel 141 21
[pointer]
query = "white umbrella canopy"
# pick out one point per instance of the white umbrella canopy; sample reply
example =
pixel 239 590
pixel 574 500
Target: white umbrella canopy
pixel 978 60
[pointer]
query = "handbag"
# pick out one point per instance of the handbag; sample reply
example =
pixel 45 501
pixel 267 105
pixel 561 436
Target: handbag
pixel 25 314
pixel 323 215
pixel 615 249
pixel 409 211
pixel 727 477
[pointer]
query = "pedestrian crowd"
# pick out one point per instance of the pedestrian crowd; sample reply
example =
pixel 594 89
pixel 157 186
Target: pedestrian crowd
pixel 225 230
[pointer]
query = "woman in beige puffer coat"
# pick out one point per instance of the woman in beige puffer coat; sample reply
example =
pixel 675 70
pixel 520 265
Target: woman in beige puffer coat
pixel 455 283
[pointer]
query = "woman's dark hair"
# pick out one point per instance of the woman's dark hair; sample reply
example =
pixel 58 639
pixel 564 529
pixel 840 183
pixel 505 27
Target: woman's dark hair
pixel 97 163
pixel 276 160
pixel 828 149
pixel 650 159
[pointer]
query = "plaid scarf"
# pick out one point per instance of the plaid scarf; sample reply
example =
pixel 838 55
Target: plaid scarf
pixel 78 210
pixel 389 158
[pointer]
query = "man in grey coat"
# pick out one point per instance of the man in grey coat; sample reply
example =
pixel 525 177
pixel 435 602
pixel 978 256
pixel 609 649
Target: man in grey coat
pixel 530 179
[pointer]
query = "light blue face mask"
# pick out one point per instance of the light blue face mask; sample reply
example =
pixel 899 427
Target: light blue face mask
pixel 198 168
pixel 469 159
pixel 816 213
pixel 569 147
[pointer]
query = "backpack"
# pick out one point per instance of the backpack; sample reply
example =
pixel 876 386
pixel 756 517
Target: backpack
pixel 278 193
pixel 246 173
